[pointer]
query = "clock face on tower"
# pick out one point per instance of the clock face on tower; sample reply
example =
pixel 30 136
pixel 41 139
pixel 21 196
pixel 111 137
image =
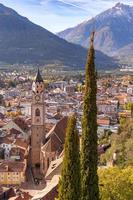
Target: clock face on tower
pixel 37 98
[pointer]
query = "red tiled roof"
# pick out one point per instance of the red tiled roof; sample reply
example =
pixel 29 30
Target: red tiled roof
pixel 53 144
pixel 21 143
pixel 59 129
pixel 14 131
pixel 103 121
pixel 10 166
pixel 56 137
pixel 5 140
pixel 23 196
pixel 21 123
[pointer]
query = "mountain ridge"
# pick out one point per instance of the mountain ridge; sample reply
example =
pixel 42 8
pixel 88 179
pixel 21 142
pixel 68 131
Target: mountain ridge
pixel 23 42
pixel 114 30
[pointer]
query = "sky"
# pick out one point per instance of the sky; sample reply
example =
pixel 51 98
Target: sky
pixel 57 15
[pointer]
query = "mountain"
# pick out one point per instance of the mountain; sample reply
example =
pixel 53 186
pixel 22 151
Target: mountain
pixel 125 55
pixel 22 41
pixel 114 30
pixel 126 50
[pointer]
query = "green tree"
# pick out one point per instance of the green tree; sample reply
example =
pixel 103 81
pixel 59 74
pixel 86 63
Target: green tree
pixel 116 183
pixel 129 106
pixel 122 143
pixel 89 154
pixel 69 184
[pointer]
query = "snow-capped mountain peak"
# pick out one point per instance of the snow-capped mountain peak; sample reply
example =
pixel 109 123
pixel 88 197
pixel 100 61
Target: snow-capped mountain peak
pixel 118 10
pixel 114 29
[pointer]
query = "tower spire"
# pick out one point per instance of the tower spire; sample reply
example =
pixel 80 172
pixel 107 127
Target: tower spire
pixel 38 119
pixel 38 77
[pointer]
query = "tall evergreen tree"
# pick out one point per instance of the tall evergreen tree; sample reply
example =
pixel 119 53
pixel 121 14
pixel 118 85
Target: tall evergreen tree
pixel 69 185
pixel 89 154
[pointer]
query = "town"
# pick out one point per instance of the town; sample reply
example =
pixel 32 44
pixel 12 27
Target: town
pixel 33 121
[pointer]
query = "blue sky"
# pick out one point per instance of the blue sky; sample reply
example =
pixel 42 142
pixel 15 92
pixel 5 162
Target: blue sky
pixel 57 15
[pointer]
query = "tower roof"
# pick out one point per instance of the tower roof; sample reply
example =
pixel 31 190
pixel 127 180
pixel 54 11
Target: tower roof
pixel 38 77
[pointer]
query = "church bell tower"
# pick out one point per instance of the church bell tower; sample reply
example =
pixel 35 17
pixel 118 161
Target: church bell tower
pixel 38 119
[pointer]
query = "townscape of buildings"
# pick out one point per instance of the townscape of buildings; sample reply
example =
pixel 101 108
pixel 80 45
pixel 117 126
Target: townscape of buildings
pixel 33 121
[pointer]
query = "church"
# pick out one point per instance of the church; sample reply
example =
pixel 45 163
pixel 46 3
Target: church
pixel 37 119
pixel 46 147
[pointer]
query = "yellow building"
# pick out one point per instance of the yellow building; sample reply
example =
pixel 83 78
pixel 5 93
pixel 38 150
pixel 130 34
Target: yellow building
pixel 12 173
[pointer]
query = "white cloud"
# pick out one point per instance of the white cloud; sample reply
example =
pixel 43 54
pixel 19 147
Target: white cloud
pixel 74 4
pixel 56 15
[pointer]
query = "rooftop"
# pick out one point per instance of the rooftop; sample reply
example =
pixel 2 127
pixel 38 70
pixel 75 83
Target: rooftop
pixel 38 77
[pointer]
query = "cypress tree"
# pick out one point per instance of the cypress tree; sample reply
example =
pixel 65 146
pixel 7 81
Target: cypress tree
pixel 89 154
pixel 69 184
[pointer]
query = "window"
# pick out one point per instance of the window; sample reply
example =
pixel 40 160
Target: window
pixel 37 120
pixel 37 113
